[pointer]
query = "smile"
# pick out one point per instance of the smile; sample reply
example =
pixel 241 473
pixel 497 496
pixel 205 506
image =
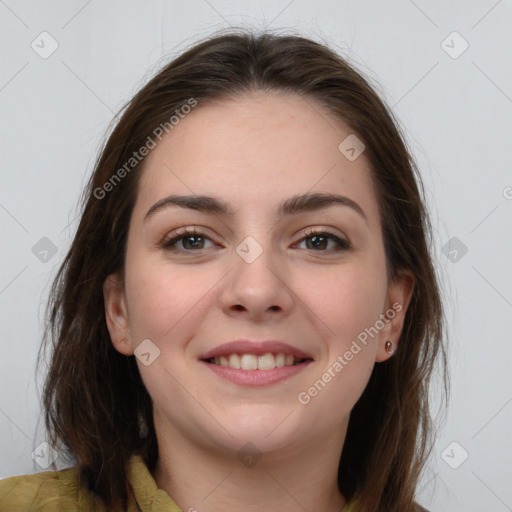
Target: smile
pixel 256 363
pixel 253 371
pixel 264 362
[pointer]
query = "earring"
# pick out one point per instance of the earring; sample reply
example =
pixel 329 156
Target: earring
pixel 389 347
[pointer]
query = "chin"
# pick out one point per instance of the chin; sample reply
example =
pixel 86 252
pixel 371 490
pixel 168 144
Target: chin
pixel 266 431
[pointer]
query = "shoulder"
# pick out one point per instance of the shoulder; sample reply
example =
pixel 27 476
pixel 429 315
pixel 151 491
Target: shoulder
pixel 46 491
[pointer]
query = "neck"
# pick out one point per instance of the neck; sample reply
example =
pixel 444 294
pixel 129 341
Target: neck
pixel 202 478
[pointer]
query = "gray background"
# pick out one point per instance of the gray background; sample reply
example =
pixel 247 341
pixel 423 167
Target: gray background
pixel 455 107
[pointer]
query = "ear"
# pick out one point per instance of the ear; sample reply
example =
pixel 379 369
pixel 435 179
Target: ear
pixel 397 301
pixel 116 314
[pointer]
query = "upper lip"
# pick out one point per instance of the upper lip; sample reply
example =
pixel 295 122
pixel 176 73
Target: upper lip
pixel 255 347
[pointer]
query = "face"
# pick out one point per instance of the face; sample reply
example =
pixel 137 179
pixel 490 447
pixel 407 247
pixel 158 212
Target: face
pixel 303 280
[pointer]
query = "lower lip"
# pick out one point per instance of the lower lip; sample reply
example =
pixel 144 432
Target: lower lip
pixel 257 377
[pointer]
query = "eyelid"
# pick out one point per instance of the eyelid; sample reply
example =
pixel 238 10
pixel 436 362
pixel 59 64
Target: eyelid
pixel 324 229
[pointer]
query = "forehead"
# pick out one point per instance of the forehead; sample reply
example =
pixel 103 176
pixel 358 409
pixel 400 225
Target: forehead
pixel 254 151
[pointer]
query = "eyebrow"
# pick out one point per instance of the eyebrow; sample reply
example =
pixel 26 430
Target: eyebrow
pixel 292 206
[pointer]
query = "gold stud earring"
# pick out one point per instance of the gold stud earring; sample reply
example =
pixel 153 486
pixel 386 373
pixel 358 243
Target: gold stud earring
pixel 389 347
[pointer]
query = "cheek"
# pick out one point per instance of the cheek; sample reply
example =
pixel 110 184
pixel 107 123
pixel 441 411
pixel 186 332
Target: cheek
pixel 346 300
pixel 162 297
pixel 347 304
pixel 165 304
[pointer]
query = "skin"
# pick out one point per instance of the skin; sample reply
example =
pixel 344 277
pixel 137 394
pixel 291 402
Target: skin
pixel 254 152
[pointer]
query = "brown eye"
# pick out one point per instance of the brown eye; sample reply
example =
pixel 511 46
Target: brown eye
pixel 319 241
pixel 190 240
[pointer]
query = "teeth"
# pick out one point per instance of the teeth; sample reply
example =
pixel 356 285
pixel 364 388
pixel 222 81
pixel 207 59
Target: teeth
pixel 266 361
pixel 249 362
pixel 234 361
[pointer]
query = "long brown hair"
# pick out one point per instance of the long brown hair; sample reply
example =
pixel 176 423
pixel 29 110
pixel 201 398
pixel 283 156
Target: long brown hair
pixel 96 406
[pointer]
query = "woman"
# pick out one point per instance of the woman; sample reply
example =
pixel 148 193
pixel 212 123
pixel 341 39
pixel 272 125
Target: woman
pixel 248 316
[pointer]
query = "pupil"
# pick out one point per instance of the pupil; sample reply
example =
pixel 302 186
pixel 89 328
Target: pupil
pixel 196 238
pixel 318 240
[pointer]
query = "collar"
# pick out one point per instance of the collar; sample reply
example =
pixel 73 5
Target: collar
pixel 148 496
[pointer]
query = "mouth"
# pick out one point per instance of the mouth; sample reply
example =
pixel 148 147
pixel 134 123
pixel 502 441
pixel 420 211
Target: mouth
pixel 251 362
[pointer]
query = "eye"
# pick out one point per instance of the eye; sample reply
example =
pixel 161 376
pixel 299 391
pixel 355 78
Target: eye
pixel 190 239
pixel 319 240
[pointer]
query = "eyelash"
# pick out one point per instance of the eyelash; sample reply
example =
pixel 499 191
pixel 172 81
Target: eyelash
pixel 169 243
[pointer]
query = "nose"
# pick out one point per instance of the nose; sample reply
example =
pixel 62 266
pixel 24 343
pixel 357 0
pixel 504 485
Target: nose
pixel 259 289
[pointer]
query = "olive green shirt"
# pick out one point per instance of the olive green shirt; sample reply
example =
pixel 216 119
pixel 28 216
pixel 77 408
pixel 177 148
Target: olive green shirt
pixel 60 491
